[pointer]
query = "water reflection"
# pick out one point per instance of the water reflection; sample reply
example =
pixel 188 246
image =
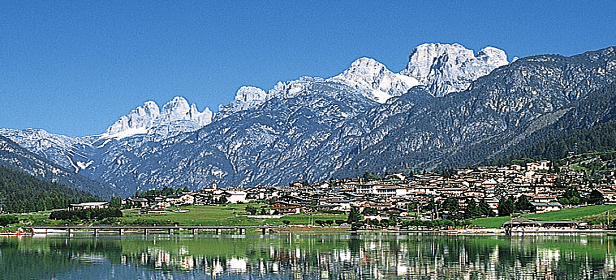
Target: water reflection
pixel 309 256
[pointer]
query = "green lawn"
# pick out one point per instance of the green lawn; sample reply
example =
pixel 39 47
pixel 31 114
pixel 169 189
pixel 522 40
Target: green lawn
pixel 230 214
pixel 593 214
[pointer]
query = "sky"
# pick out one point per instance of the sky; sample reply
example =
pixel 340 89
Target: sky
pixel 75 67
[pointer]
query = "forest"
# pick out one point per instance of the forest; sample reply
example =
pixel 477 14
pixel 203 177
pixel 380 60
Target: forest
pixel 21 192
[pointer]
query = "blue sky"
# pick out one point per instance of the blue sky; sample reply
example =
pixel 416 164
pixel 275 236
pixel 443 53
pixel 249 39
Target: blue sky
pixel 75 67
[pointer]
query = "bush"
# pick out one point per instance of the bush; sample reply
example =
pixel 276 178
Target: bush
pixel 251 209
pixel 6 220
pixel 86 214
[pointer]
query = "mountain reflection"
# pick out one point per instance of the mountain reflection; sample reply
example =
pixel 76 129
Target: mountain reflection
pixel 306 256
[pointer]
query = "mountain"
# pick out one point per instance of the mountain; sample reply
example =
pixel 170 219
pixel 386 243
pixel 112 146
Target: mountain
pixel 18 158
pixel 445 68
pixel 501 113
pixel 450 107
pixel 374 80
pixel 175 117
pixel 21 192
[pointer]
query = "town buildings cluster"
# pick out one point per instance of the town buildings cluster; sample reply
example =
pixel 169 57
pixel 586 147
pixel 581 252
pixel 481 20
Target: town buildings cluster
pixel 402 195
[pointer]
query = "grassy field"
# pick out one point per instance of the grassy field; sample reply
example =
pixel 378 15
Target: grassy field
pixel 231 214
pixel 594 214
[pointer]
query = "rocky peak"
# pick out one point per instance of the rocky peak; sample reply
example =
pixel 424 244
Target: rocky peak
pixel 149 116
pixel 245 98
pixel 445 68
pixel 374 80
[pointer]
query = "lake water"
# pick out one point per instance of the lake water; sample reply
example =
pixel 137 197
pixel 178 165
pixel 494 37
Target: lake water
pixel 308 256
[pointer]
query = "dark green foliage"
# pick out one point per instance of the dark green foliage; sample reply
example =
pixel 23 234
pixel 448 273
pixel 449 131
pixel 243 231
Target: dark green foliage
pixel 572 196
pixel 354 216
pixel 251 209
pixel 523 203
pixel 506 206
pixel 116 202
pixel 20 192
pixel 485 210
pixel 18 158
pixel 472 210
pixel 8 219
pixel 86 214
pixel 595 197
pixel 358 225
pixel 450 208
pixel 371 177
pixel 165 191
pixel 369 211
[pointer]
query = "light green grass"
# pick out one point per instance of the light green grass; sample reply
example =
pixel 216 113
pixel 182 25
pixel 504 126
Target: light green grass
pixel 595 213
pixel 230 214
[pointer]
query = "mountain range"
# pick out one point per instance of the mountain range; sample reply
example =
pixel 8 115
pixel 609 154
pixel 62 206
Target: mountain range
pixel 448 108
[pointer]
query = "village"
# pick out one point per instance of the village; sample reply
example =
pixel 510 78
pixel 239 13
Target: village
pixel 425 196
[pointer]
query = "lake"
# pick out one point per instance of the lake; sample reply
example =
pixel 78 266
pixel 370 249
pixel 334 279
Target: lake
pixel 308 256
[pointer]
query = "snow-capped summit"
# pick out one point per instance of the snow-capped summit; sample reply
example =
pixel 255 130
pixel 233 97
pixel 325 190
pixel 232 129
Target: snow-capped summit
pixel 142 119
pixel 445 68
pixel 375 80
pixel 245 98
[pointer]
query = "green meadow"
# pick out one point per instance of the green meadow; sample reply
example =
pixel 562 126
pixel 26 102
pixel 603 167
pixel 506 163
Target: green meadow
pixel 223 215
pixel 595 214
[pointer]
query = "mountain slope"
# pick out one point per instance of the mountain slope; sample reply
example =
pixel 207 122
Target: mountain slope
pixel 367 119
pixel 267 145
pixel 445 68
pixel 18 158
pixel 497 114
pixel 21 192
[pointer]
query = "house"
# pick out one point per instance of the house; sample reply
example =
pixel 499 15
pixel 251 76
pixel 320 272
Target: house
pixel 541 207
pixel 541 165
pixel 284 208
pixel 88 205
pixel 139 202
pixel 236 196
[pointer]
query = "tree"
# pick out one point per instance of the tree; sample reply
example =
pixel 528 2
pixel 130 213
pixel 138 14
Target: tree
pixel 595 197
pixel 371 177
pixel 506 207
pixel 369 211
pixel 564 201
pixel 472 209
pixel 354 216
pixel 451 206
pixel 523 203
pixel 8 219
pixel 115 202
pixel 251 209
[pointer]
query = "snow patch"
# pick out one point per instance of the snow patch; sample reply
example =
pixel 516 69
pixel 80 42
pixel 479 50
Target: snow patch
pixel 84 165
pixel 126 133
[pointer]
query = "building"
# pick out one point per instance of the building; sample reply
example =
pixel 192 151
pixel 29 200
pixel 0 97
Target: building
pixel 89 205
pixel 284 208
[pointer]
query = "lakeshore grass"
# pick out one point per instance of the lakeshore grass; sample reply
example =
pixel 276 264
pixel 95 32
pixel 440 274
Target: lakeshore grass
pixel 593 214
pixel 222 215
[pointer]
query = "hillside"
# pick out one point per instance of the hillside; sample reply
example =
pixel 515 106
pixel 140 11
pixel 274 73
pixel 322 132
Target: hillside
pixel 17 158
pixel 21 192
pixel 367 119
